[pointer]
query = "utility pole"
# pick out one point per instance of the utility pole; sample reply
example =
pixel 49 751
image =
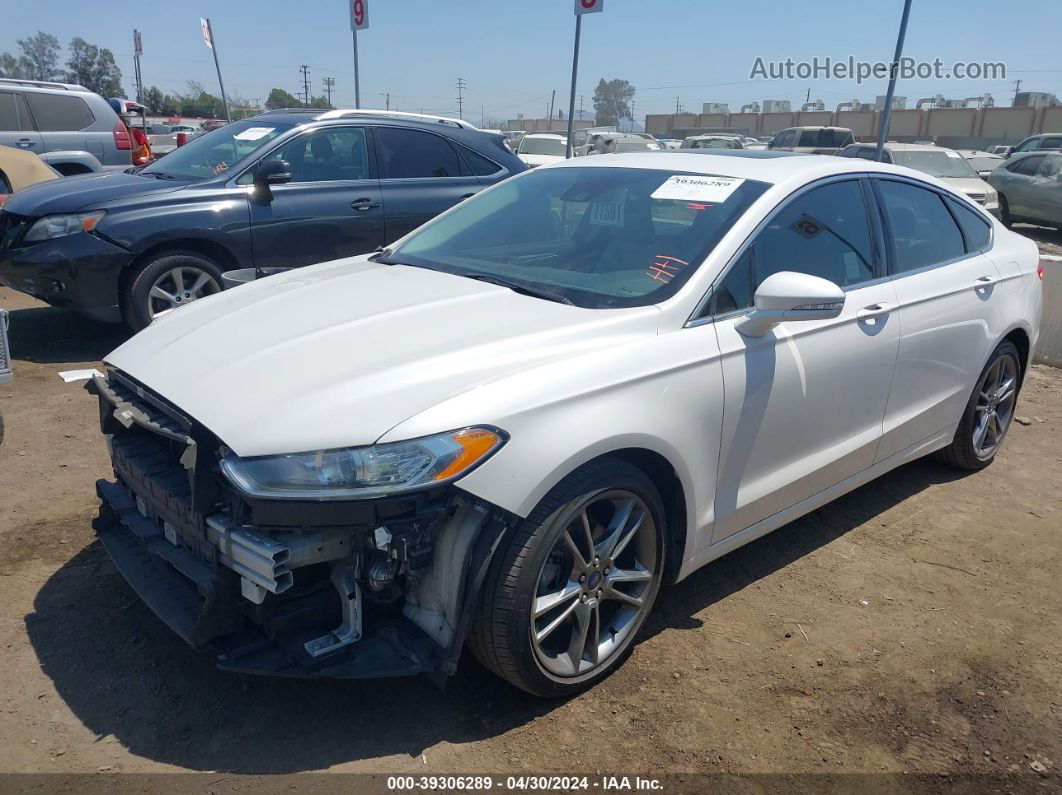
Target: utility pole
pixel 580 107
pixel 305 84
pixel 329 84
pixel 461 86
pixel 387 99
pixel 482 117
pixel 632 115
pixel 551 99
pixel 677 106
pixel 1017 88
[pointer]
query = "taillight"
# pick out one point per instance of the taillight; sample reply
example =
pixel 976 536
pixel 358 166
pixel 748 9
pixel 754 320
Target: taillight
pixel 1040 270
pixel 121 136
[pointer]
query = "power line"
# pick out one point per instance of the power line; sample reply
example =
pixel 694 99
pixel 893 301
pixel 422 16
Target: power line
pixel 329 84
pixel 305 69
pixel 461 86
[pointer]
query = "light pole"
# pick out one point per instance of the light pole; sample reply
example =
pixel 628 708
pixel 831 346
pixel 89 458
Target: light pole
pixel 387 98
pixel 894 68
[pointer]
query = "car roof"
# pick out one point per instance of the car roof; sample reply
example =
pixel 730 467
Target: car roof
pixel 764 166
pixel 544 135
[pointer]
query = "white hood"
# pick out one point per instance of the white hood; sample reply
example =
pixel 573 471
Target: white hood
pixel 541 160
pixel 337 354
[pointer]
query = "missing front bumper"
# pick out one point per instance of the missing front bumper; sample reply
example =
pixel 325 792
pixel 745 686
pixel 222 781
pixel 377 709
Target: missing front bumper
pixel 201 604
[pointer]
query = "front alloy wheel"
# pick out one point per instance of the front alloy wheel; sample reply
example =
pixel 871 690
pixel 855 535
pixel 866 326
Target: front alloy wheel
pixel 178 287
pixel 566 596
pixel 592 587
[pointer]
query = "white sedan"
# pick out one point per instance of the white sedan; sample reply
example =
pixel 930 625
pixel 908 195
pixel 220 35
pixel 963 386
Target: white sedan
pixel 516 424
pixel 542 149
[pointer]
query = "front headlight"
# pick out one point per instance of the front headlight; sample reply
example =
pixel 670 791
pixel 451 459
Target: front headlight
pixel 365 472
pixel 992 196
pixel 52 226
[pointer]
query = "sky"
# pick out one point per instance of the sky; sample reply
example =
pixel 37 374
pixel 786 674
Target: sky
pixel 514 53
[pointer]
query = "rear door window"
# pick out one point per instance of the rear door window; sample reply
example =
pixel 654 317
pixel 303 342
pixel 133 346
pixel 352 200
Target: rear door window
pixel 56 113
pixel 1053 142
pixel 1027 165
pixel 414 154
pixel 923 231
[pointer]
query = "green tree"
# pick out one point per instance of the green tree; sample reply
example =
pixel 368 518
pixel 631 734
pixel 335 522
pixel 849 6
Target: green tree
pixel 154 100
pixel 612 100
pixel 18 68
pixel 94 68
pixel 279 98
pixel 40 56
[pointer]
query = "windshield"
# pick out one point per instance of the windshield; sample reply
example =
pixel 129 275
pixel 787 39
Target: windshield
pixel 941 163
pixel 215 152
pixel 825 137
pixel 597 237
pixel 542 146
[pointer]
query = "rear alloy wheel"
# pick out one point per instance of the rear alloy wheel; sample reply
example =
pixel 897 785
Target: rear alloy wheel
pixel 167 282
pixel 989 412
pixel 562 605
pixel 1004 212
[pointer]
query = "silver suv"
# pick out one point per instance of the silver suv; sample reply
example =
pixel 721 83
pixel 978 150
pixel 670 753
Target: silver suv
pixel 69 127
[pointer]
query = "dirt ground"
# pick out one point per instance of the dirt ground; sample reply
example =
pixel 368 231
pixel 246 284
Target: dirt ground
pixel 912 625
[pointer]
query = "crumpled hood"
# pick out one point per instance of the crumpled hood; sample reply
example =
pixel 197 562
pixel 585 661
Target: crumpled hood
pixel 71 194
pixel 337 354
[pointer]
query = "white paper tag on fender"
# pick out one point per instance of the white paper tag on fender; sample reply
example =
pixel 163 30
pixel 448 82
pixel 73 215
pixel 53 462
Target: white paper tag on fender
pixel 690 187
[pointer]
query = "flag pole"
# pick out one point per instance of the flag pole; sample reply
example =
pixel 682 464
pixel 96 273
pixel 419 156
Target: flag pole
pixel 894 68
pixel 214 49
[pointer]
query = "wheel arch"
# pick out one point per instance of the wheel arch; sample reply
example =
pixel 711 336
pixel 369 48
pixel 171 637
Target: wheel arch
pixel 209 248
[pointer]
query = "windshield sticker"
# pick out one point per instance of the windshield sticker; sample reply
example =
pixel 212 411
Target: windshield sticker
pixel 606 213
pixel 665 268
pixel 687 187
pixel 253 133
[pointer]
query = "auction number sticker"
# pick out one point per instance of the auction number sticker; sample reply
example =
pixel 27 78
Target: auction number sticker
pixel 694 188
pixel 253 133
pixel 606 213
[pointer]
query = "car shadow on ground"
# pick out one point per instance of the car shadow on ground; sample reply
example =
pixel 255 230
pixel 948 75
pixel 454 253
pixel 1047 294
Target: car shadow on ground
pixel 122 673
pixel 48 335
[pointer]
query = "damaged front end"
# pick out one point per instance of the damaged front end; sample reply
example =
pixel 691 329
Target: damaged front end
pixel 312 588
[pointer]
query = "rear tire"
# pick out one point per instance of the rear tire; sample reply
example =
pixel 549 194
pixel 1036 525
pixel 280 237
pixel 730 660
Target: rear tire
pixel 989 412
pixel 167 281
pixel 552 623
pixel 1005 217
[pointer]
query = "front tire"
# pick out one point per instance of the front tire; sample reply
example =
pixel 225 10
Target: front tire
pixel 169 280
pixel 989 412
pixel 562 604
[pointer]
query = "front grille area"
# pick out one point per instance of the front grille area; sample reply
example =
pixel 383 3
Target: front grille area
pixel 163 458
pixel 977 197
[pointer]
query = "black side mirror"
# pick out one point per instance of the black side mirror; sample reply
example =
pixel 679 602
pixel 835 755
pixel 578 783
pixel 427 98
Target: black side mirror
pixel 271 172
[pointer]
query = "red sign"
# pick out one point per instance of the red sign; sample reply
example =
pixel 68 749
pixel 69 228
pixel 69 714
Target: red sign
pixel 589 6
pixel 359 14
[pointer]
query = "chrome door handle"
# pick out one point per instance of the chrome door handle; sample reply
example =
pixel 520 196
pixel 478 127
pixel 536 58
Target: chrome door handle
pixel 25 143
pixel 361 205
pixel 984 281
pixel 874 310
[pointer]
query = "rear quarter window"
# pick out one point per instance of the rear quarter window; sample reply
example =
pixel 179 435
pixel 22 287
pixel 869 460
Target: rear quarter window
pixel 975 228
pixel 56 113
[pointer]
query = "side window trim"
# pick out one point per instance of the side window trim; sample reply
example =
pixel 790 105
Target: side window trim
pixel 702 312
pixel 875 180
